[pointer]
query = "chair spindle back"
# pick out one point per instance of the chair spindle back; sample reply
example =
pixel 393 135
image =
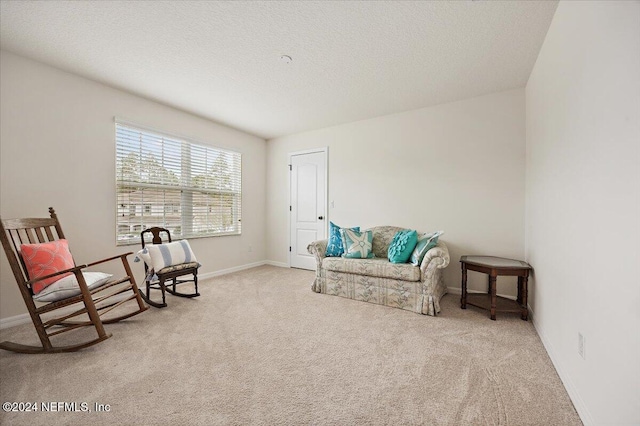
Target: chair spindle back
pixel 16 232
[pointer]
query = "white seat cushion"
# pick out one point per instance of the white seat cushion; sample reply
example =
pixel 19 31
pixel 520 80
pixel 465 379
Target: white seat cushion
pixel 68 286
pixel 375 267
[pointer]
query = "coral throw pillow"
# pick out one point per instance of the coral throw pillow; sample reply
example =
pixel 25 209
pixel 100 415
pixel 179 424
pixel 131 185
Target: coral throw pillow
pixel 44 259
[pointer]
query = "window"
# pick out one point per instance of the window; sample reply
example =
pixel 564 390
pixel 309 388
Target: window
pixel 191 189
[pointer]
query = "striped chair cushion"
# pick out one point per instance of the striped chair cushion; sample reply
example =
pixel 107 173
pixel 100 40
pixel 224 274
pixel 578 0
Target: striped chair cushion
pixel 160 256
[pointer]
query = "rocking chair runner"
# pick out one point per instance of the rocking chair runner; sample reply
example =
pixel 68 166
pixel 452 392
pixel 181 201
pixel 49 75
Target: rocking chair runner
pixel 96 302
pixel 170 273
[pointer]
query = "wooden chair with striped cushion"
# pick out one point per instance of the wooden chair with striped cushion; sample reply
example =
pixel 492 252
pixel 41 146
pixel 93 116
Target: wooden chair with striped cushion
pixel 157 279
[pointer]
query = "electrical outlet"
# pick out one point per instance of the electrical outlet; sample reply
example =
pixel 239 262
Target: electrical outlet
pixel 581 342
pixel 250 249
pixel 333 204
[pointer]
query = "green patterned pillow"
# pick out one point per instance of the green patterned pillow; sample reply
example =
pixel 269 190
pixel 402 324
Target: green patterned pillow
pixel 425 243
pixel 402 245
pixel 357 245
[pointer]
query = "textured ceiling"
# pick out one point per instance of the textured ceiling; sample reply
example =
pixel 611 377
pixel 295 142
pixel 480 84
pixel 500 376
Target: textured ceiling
pixel 351 60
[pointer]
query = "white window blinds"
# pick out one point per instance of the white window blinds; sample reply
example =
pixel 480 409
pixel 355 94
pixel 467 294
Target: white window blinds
pixel 191 189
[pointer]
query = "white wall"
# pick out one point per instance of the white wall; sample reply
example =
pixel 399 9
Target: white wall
pixel 583 204
pixel 457 167
pixel 58 149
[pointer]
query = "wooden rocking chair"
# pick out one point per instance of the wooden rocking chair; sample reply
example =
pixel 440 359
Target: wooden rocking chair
pixel 171 273
pixel 95 302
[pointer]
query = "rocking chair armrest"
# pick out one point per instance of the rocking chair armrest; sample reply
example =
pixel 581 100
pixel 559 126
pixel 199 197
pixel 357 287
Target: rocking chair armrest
pixel 64 271
pixel 120 256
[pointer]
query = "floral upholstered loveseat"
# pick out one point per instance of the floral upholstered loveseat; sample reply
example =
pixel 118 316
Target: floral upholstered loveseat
pixel 405 286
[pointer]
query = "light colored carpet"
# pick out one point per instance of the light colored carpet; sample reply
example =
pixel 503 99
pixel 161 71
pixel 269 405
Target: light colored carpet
pixel 259 347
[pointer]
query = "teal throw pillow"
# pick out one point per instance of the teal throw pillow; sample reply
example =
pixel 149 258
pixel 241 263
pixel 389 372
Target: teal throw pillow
pixel 425 243
pixel 357 245
pixel 334 245
pixel 402 245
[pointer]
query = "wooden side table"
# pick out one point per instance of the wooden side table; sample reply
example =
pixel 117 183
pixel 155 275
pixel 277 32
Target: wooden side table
pixel 494 266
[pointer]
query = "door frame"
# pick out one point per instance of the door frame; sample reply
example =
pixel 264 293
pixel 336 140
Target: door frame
pixel 325 151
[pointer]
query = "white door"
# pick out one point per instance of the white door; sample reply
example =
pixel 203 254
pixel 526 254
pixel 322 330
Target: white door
pixel 308 219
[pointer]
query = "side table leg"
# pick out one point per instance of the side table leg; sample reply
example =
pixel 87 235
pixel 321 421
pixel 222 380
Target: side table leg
pixel 519 298
pixel 525 309
pixel 463 298
pixel 494 296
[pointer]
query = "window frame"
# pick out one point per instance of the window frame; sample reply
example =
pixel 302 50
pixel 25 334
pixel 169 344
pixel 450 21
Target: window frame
pixel 186 190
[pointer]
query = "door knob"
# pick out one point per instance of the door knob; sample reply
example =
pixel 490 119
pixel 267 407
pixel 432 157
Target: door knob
pixel 320 217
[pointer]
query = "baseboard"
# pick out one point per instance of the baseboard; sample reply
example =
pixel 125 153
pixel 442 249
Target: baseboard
pixel 234 269
pixel 241 268
pixel 278 264
pixel 25 318
pixel 14 320
pixel 574 395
